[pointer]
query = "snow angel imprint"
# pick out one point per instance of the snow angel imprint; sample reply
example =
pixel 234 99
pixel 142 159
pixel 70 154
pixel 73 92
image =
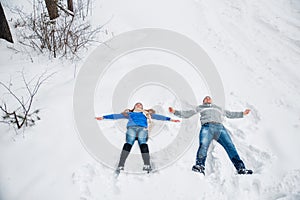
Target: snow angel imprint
pixel 139 120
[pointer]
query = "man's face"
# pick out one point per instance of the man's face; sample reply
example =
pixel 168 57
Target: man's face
pixel 207 99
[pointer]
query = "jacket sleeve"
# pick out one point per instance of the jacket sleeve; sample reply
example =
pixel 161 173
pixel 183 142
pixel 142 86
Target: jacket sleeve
pixel 230 114
pixel 160 117
pixel 187 113
pixel 114 116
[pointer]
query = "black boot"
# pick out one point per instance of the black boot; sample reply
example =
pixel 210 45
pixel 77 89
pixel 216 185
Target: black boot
pixel 124 154
pixel 146 157
pixel 244 171
pixel 199 168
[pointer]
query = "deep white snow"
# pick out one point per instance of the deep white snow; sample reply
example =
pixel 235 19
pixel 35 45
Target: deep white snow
pixel 255 46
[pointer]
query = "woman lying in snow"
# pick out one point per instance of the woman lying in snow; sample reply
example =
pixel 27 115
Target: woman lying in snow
pixel 139 120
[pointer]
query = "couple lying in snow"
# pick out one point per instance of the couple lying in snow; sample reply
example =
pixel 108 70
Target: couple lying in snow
pixel 211 117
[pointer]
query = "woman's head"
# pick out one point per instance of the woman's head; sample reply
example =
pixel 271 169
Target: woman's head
pixel 138 105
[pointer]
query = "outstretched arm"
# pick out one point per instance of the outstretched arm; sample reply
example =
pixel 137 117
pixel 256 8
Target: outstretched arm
pixel 163 118
pixel 112 116
pixel 230 114
pixel 182 114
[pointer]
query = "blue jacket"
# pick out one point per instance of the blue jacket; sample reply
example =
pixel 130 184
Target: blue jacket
pixel 136 118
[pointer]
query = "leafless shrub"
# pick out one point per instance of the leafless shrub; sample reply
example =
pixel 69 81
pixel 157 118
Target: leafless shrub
pixel 17 109
pixel 63 37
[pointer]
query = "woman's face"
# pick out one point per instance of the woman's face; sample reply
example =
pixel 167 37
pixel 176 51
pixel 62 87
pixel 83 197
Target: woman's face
pixel 138 105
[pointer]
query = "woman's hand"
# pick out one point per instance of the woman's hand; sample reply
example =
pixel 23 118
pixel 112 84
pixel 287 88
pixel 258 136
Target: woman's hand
pixel 175 120
pixel 99 118
pixel 171 110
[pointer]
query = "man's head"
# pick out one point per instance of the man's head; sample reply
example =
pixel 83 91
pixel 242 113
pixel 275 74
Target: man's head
pixel 207 100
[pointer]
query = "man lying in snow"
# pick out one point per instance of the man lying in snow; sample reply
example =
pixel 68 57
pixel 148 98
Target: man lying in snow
pixel 212 128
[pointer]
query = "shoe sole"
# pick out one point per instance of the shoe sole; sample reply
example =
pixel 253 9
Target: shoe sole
pixel 201 172
pixel 246 173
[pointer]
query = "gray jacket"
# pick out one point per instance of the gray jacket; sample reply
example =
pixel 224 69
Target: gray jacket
pixel 209 113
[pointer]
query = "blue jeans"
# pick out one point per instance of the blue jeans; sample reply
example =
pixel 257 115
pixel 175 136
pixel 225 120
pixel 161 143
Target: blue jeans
pixel 139 132
pixel 210 131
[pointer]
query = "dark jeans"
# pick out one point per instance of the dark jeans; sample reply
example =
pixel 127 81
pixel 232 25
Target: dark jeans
pixel 210 131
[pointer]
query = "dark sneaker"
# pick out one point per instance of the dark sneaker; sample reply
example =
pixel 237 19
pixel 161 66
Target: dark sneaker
pixel 199 168
pixel 147 168
pixel 245 171
pixel 119 169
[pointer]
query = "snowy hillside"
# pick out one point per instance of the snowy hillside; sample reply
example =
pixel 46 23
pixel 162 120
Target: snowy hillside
pixel 255 47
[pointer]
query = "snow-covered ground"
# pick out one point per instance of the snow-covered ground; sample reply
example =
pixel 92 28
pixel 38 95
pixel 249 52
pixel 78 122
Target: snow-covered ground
pixel 255 46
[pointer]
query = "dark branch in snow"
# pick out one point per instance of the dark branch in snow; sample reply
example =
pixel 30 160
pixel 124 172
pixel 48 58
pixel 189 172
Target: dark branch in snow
pixel 65 10
pixel 64 36
pixel 22 115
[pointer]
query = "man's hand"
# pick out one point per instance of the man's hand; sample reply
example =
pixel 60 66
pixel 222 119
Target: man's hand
pixel 175 120
pixel 99 118
pixel 246 112
pixel 171 110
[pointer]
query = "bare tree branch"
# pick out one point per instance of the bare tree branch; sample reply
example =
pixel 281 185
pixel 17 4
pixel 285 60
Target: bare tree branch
pixel 23 117
pixel 69 12
pixel 63 37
